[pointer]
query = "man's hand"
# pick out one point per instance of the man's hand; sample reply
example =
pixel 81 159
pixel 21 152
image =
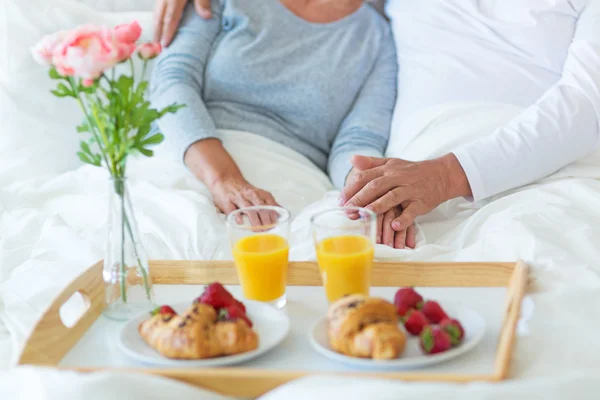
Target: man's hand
pixel 381 184
pixel 167 15
pixel 385 234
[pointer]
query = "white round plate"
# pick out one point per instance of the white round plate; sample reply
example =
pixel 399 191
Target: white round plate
pixel 271 325
pixel 413 356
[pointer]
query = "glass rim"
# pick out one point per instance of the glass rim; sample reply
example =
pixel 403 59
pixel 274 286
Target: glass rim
pixel 284 214
pixel 314 217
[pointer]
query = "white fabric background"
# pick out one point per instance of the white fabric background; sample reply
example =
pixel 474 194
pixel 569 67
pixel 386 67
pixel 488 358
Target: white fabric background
pixel 52 215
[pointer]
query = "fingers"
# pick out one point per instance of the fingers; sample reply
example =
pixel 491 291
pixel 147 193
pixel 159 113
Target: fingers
pixel 159 12
pixel 202 8
pixel 357 182
pixel 405 219
pixel 388 233
pixel 362 162
pixel 385 201
pixel 170 20
pixel 371 191
pixel 379 236
pixel 411 240
pixel 400 240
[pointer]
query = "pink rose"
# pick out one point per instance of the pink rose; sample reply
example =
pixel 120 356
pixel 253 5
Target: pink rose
pixel 126 35
pixel 42 51
pixel 86 52
pixel 148 51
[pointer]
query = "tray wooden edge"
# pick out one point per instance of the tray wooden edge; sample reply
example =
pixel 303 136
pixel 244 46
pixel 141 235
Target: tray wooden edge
pixel 252 383
pixel 44 348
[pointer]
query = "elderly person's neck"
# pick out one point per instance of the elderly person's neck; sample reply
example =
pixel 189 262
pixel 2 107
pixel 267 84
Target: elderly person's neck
pixel 322 11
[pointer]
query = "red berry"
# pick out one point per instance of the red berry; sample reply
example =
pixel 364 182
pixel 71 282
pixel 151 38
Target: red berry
pixel 405 299
pixel 234 312
pixel 240 305
pixel 415 322
pixel 453 328
pixel 403 310
pixel 435 340
pixel 217 296
pixel 434 312
pixel 163 310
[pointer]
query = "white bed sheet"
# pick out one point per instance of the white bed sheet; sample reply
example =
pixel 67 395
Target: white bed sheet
pixel 52 214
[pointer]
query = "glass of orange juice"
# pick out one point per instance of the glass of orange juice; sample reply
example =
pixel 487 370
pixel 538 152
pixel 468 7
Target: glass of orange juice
pixel 345 242
pixel 259 241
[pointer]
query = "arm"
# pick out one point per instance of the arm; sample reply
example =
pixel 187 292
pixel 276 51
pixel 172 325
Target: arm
pixel 178 76
pixel 366 128
pixel 560 128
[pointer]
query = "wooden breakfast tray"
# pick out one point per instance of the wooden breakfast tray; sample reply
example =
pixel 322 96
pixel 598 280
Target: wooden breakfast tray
pixel 43 346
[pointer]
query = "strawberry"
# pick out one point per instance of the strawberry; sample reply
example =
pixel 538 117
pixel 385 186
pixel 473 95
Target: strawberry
pixel 234 312
pixel 414 322
pixel 163 310
pixel 435 340
pixel 240 305
pixel 407 298
pixel 453 328
pixel 216 295
pixel 433 311
pixel 403 310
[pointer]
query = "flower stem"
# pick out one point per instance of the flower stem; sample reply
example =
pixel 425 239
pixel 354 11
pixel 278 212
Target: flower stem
pixel 123 271
pixel 141 267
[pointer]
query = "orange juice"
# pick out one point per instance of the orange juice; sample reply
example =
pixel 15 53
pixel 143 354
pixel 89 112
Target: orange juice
pixel 261 261
pixel 345 263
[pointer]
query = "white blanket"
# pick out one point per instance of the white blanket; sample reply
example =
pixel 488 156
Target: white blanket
pixel 53 211
pixel 53 228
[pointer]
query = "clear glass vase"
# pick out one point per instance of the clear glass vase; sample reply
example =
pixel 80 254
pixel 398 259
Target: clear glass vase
pixel 126 273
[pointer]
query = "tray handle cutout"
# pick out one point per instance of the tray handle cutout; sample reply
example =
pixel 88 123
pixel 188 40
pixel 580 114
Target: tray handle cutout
pixel 51 338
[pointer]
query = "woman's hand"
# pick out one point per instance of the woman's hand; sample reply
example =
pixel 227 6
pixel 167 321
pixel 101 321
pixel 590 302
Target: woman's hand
pixel 388 236
pixel 167 15
pixel 213 165
pixel 234 193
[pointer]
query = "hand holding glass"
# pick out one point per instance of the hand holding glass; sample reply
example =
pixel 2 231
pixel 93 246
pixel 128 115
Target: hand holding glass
pixel 259 241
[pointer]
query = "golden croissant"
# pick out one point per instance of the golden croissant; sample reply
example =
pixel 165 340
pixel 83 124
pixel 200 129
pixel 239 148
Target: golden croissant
pixel 197 334
pixel 361 326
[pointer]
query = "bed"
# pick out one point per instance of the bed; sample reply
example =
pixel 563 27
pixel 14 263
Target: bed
pixel 52 215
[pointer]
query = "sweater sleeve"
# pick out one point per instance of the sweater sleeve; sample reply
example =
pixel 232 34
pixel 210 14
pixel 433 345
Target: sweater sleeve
pixel 366 128
pixel 178 77
pixel 561 127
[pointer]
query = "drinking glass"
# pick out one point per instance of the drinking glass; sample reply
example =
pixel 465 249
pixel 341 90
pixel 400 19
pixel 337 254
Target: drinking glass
pixel 345 241
pixel 259 241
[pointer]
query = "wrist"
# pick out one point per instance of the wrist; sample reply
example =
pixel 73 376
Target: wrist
pixel 211 163
pixel 455 178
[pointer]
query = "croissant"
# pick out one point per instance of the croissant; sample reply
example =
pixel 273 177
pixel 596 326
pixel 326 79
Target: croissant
pixel 196 334
pixel 361 326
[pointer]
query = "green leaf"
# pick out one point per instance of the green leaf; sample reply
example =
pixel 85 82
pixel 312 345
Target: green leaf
pixel 146 152
pixel 53 74
pixel 171 109
pixel 83 127
pixel 154 139
pixel 62 91
pixel 123 85
pixel 85 147
pixel 58 93
pixel 94 160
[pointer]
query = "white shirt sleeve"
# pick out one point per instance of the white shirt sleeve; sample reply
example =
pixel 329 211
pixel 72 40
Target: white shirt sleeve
pixel 560 128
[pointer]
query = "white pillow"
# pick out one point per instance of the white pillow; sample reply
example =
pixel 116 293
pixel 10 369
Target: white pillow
pixel 37 130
